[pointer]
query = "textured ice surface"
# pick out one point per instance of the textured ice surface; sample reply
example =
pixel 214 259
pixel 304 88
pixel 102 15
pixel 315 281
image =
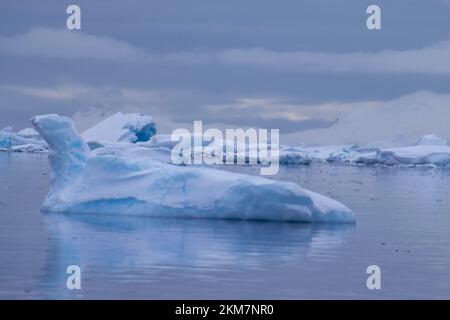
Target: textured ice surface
pixel 294 156
pixel 85 182
pixel 429 150
pixel 416 155
pixel 26 140
pixel 134 135
pixel 120 127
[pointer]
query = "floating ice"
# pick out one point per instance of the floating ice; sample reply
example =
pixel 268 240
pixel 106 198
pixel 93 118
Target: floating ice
pixel 29 133
pixel 26 140
pixel 435 155
pixel 120 127
pixel 85 182
pixel 294 156
pixel 429 150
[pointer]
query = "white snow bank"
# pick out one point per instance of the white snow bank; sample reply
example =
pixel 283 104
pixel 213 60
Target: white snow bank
pixel 120 127
pixel 109 184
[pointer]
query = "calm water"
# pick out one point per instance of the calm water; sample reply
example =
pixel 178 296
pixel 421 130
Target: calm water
pixel 403 226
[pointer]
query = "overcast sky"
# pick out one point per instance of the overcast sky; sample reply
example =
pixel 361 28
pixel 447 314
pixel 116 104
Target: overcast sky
pixel 290 64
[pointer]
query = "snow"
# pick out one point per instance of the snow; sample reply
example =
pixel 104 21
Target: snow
pixel 133 135
pixel 161 140
pixel 160 145
pixel 333 153
pixel 435 155
pixel 29 133
pixel 294 156
pixel 26 140
pixel 429 150
pixel 94 182
pixel 120 127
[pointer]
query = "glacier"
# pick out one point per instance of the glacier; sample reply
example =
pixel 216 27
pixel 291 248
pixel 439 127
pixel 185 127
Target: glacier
pixel 85 181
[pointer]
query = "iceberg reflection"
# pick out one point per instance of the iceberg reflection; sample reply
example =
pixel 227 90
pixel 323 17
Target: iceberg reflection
pixel 120 249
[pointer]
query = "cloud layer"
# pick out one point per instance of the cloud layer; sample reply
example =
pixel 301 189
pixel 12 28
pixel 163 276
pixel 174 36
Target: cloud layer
pixel 62 43
pixel 53 43
pixel 428 60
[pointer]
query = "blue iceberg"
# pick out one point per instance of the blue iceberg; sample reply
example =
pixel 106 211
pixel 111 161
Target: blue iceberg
pixel 86 182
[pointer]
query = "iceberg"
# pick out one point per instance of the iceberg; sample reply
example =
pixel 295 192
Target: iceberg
pixel 120 127
pixel 86 182
pixel 26 140
pixel 29 133
pixel 294 156
pixel 287 155
pixel 332 153
pixel 430 150
pixel 438 156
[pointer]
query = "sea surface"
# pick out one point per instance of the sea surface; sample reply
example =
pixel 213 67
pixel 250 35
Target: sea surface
pixel 403 226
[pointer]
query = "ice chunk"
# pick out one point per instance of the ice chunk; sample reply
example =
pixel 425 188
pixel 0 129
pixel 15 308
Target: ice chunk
pixel 436 155
pixel 293 156
pixel 68 151
pixel 84 182
pixel 29 133
pixel 120 127
pixel 344 153
pixel 23 141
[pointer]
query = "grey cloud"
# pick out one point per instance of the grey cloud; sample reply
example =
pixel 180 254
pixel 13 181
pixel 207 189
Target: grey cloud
pixel 432 59
pixel 61 43
pixel 428 60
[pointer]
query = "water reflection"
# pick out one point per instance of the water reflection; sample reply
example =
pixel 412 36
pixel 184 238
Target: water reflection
pixel 121 249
